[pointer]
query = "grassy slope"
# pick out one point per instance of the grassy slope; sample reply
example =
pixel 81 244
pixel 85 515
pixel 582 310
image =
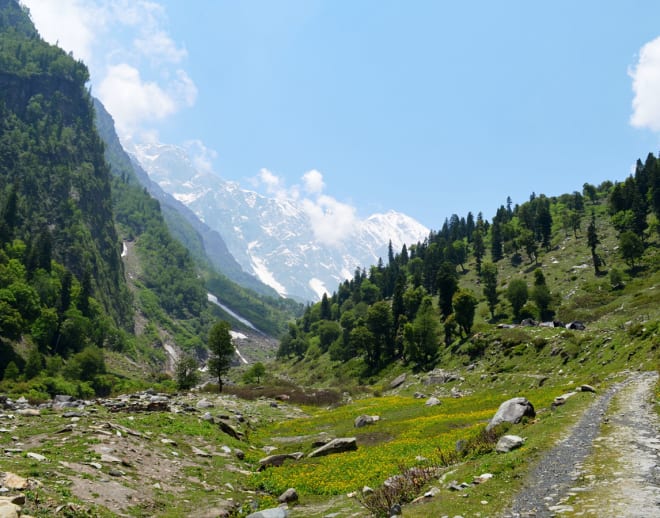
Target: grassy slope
pixel 539 363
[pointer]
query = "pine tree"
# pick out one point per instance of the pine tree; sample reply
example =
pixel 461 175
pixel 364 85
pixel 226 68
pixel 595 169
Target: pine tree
pixel 221 350
pixel 326 313
pixel 464 307
pixel 517 294
pixel 489 279
pixel 447 281
pixel 496 242
pixel 593 241
pixel 478 248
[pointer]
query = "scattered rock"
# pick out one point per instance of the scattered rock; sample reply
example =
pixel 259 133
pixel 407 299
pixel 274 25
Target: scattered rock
pixel 290 495
pixel 106 457
pixel 199 452
pixel 432 401
pixel 482 478
pixel 35 456
pixel 508 443
pixel 440 376
pixel 274 512
pixel 434 491
pixel 364 420
pixel 29 412
pixel 419 395
pixel 576 325
pixel 230 430
pixel 278 459
pixel 240 454
pixel 512 411
pixel 587 388
pixel 398 380
pixel 338 445
pixel 455 486
pixel 204 403
pixel 366 490
pixel 560 400
pixel 14 481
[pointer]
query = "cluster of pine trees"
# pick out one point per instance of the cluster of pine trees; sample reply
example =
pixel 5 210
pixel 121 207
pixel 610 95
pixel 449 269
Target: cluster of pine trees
pixel 407 308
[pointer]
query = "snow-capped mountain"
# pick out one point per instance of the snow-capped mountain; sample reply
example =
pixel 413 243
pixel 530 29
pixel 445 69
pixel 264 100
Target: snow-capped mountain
pixel 274 238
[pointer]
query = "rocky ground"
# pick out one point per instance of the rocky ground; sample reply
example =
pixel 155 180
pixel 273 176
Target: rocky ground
pixel 142 454
pixel 152 454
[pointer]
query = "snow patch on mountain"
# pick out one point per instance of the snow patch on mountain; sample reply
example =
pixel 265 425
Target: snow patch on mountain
pixel 318 287
pixel 274 238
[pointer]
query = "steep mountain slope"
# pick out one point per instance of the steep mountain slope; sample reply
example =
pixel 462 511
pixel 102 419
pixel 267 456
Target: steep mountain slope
pixel 55 182
pixel 206 260
pixel 273 238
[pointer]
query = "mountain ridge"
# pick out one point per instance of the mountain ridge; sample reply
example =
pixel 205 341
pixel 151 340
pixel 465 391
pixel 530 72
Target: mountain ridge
pixel 273 238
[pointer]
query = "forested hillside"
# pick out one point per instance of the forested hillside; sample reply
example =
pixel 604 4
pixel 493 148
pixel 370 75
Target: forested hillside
pixel 65 304
pixel 62 289
pixel 549 259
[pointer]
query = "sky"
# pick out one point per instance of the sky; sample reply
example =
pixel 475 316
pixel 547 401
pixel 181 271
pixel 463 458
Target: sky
pixel 425 107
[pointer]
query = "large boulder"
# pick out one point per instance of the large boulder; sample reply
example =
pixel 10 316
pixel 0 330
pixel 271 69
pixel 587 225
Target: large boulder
pixel 339 445
pixel 9 510
pixel 398 380
pixel 290 495
pixel 512 411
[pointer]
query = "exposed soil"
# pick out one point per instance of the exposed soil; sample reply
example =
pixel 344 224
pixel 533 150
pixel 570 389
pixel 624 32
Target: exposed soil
pixel 608 464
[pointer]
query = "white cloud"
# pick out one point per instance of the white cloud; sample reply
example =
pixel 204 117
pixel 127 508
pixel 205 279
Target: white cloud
pixel 313 181
pixel 332 221
pixel 135 65
pixel 132 101
pixel 70 23
pixel 271 180
pixel 184 88
pixel 202 157
pixel 646 85
pixel 159 47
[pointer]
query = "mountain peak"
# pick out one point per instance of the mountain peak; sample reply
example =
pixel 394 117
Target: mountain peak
pixel 278 240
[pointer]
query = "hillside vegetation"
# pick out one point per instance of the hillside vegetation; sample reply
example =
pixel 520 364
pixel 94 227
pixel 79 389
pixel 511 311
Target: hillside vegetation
pixel 95 293
pixel 590 257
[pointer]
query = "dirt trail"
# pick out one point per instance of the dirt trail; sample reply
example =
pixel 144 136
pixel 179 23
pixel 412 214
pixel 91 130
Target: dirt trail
pixel 609 465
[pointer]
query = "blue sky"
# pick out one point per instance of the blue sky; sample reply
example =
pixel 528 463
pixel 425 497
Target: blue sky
pixel 425 107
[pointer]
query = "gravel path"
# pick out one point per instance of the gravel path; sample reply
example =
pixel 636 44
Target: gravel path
pixel 611 471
